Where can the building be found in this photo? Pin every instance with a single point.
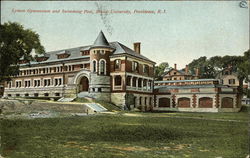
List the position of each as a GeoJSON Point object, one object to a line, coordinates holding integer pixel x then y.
{"type": "Point", "coordinates": [175, 74]}
{"type": "Point", "coordinates": [201, 95]}
{"type": "Point", "coordinates": [228, 77]}
{"type": "Point", "coordinates": [107, 71]}
{"type": "Point", "coordinates": [113, 72]}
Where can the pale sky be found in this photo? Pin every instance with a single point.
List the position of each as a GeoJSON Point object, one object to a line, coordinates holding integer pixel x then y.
{"type": "Point", "coordinates": [188, 29]}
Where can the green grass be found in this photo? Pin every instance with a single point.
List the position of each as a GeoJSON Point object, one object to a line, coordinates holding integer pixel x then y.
{"type": "Point", "coordinates": [127, 135]}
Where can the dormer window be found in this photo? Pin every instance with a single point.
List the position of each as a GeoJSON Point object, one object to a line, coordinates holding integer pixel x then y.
{"type": "Point", "coordinates": [86, 52]}
{"type": "Point", "coordinates": [42, 57]}
{"type": "Point", "coordinates": [63, 54]}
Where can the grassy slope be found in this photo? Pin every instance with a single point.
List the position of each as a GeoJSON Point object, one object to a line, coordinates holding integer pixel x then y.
{"type": "Point", "coordinates": [145, 135]}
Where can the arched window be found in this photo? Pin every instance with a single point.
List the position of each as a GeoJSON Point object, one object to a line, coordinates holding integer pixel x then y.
{"type": "Point", "coordinates": [94, 66]}
{"type": "Point", "coordinates": [102, 67]}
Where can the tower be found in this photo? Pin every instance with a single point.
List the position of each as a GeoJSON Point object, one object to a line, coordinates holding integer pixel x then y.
{"type": "Point", "coordinates": [100, 68]}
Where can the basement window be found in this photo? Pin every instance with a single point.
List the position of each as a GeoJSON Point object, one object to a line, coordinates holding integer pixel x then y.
{"type": "Point", "coordinates": [57, 94]}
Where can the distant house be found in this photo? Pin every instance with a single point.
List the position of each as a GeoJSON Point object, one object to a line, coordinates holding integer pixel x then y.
{"type": "Point", "coordinates": [175, 74]}
{"type": "Point", "coordinates": [228, 77]}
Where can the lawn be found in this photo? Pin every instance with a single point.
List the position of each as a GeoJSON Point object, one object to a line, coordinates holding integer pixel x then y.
{"type": "Point", "coordinates": [167, 135]}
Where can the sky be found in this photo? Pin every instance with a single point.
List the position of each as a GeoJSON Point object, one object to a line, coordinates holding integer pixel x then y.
{"type": "Point", "coordinates": [186, 30]}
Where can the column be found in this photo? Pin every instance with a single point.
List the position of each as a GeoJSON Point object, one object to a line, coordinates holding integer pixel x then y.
{"type": "Point", "coordinates": [137, 79]}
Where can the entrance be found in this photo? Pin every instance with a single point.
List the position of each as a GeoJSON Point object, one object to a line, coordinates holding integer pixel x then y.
{"type": "Point", "coordinates": [84, 84]}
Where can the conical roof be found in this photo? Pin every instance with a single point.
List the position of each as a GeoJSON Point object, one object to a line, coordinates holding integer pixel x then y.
{"type": "Point", "coordinates": [101, 41]}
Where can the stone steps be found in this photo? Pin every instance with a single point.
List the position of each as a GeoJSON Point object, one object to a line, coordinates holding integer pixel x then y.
{"type": "Point", "coordinates": [96, 107]}
{"type": "Point", "coordinates": [65, 99]}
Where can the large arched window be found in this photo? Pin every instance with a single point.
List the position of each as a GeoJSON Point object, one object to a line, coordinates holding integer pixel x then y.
{"type": "Point", "coordinates": [94, 66]}
{"type": "Point", "coordinates": [102, 67]}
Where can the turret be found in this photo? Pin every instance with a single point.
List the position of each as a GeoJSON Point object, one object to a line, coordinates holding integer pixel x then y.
{"type": "Point", "coordinates": [99, 55]}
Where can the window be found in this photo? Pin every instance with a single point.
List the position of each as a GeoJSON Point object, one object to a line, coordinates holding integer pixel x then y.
{"type": "Point", "coordinates": [118, 80]}
{"type": "Point", "coordinates": [18, 84]}
{"type": "Point", "coordinates": [150, 101]}
{"type": "Point", "coordinates": [56, 82]}
{"type": "Point", "coordinates": [26, 95]}
{"type": "Point", "coordinates": [99, 90]}
{"type": "Point", "coordinates": [94, 66]}
{"type": "Point", "coordinates": [102, 67]}
{"type": "Point", "coordinates": [134, 81]}
{"type": "Point", "coordinates": [135, 66]}
{"type": "Point", "coordinates": [46, 94]}
{"type": "Point", "coordinates": [145, 101]}
{"type": "Point", "coordinates": [57, 94]}
{"type": "Point", "coordinates": [140, 100]}
{"type": "Point", "coordinates": [85, 53]}
{"type": "Point", "coordinates": [231, 81]}
{"type": "Point", "coordinates": [117, 64]}
{"type": "Point", "coordinates": [102, 52]}
{"type": "Point", "coordinates": [145, 69]}
{"type": "Point", "coordinates": [44, 82]}
{"type": "Point", "coordinates": [38, 83]}
{"type": "Point", "coordinates": [128, 81]}
{"type": "Point", "coordinates": [139, 82]}
{"type": "Point", "coordinates": [60, 81]}
{"type": "Point", "coordinates": [36, 94]}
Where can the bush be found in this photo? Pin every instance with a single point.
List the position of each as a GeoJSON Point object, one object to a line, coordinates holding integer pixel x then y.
{"type": "Point", "coordinates": [244, 108]}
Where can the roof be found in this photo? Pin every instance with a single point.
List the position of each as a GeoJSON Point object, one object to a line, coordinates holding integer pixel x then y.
{"type": "Point", "coordinates": [197, 80]}
{"type": "Point", "coordinates": [190, 86]}
{"type": "Point", "coordinates": [180, 71]}
{"type": "Point", "coordinates": [122, 49]}
{"type": "Point", "coordinates": [101, 41]}
{"type": "Point", "coordinates": [62, 52]}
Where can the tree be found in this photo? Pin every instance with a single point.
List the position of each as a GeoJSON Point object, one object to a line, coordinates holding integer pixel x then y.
{"type": "Point", "coordinates": [206, 69]}
{"type": "Point", "coordinates": [159, 70]}
{"type": "Point", "coordinates": [16, 42]}
{"type": "Point", "coordinates": [243, 69]}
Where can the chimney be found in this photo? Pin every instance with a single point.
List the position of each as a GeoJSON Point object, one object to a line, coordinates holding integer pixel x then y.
{"type": "Point", "coordinates": [186, 69]}
{"type": "Point", "coordinates": [175, 66]}
{"type": "Point", "coordinates": [197, 72]}
{"type": "Point", "coordinates": [137, 47]}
